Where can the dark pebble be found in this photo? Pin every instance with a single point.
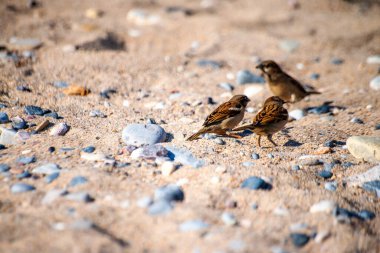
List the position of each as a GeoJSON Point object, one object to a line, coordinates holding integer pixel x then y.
{"type": "Point", "coordinates": [209, 63]}
{"type": "Point", "coordinates": [328, 166]}
{"type": "Point", "coordinates": [377, 127]}
{"type": "Point", "coordinates": [78, 180]}
{"type": "Point", "coordinates": [325, 174]}
{"type": "Point", "coordinates": [23, 88]}
{"type": "Point", "coordinates": [3, 106]}
{"type": "Point", "coordinates": [26, 160]}
{"type": "Point", "coordinates": [347, 164]}
{"type": "Point", "coordinates": [333, 143]}
{"type": "Point", "coordinates": [336, 61]}
{"type": "Point", "coordinates": [2, 147]}
{"type": "Point", "coordinates": [66, 149]}
{"type": "Point", "coordinates": [373, 186]}
{"type": "Point", "coordinates": [151, 121]}
{"type": "Point", "coordinates": [4, 167]}
{"type": "Point", "coordinates": [4, 118]}
{"type": "Point", "coordinates": [19, 123]}
{"type": "Point", "coordinates": [53, 115]}
{"type": "Point", "coordinates": [366, 215]}
{"type": "Point", "coordinates": [255, 183]}
{"type": "Point", "coordinates": [169, 193]}
{"type": "Point", "coordinates": [51, 149]}
{"type": "Point", "coordinates": [51, 177]}
{"type": "Point", "coordinates": [342, 213]}
{"type": "Point", "coordinates": [295, 167]}
{"type": "Point", "coordinates": [299, 240]}
{"type": "Point", "coordinates": [22, 187]}
{"type": "Point", "coordinates": [255, 156]}
{"type": "Point", "coordinates": [88, 149]}
{"type": "Point", "coordinates": [314, 76]}
{"type": "Point", "coordinates": [33, 110]}
{"type": "Point", "coordinates": [106, 93]}
{"type": "Point", "coordinates": [357, 121]}
{"type": "Point", "coordinates": [25, 174]}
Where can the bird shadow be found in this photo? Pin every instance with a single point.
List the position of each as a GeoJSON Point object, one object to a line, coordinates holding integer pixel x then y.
{"type": "Point", "coordinates": [326, 107]}
{"type": "Point", "coordinates": [292, 143]}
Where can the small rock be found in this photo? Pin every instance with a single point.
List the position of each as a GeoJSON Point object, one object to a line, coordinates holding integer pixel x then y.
{"type": "Point", "coordinates": [78, 180]}
{"type": "Point", "coordinates": [52, 195]}
{"type": "Point", "coordinates": [51, 177]}
{"type": "Point", "coordinates": [299, 240]}
{"type": "Point", "coordinates": [253, 90]}
{"type": "Point", "coordinates": [295, 167]}
{"type": "Point", "coordinates": [270, 156]}
{"type": "Point", "coordinates": [325, 206]}
{"type": "Point", "coordinates": [25, 174]}
{"type": "Point", "coordinates": [144, 202]}
{"type": "Point", "coordinates": [34, 110]}
{"type": "Point", "coordinates": [226, 86]}
{"type": "Point", "coordinates": [47, 169]}
{"type": "Point", "coordinates": [95, 157]}
{"type": "Point", "coordinates": [331, 186]}
{"type": "Point", "coordinates": [229, 219]}
{"type": "Point", "coordinates": [88, 149]}
{"type": "Point", "coordinates": [373, 59]}
{"type": "Point", "coordinates": [184, 156]}
{"type": "Point", "coordinates": [297, 114]}
{"type": "Point", "coordinates": [140, 134]}
{"type": "Point", "coordinates": [82, 224]}
{"type": "Point", "coordinates": [141, 17]}
{"type": "Point", "coordinates": [333, 143]}
{"type": "Point", "coordinates": [193, 225]}
{"type": "Point", "coordinates": [23, 88]}
{"type": "Point", "coordinates": [314, 76]}
{"type": "Point", "coordinates": [51, 149]}
{"type": "Point", "coordinates": [337, 61]}
{"type": "Point", "coordinates": [80, 197]}
{"type": "Point", "coordinates": [4, 118]}
{"type": "Point", "coordinates": [97, 113]}
{"type": "Point", "coordinates": [209, 63]}
{"type": "Point", "coordinates": [93, 13]}
{"type": "Point", "coordinates": [373, 186]}
{"type": "Point", "coordinates": [245, 76]}
{"type": "Point", "coordinates": [248, 164]}
{"type": "Point", "coordinates": [53, 115]}
{"type": "Point", "coordinates": [23, 43]}
{"type": "Point", "coordinates": [255, 183]}
{"type": "Point", "coordinates": [60, 129]}
{"type": "Point", "coordinates": [2, 147]}
{"type": "Point", "coordinates": [366, 215]}
{"type": "Point", "coordinates": [289, 46]}
{"type": "Point", "coordinates": [357, 121]}
{"type": "Point", "coordinates": [325, 174]}
{"type": "Point", "coordinates": [169, 193]}
{"type": "Point", "coordinates": [4, 167]}
{"type": "Point", "coordinates": [107, 93]}
{"type": "Point", "coordinates": [23, 160]}
{"type": "Point", "coordinates": [167, 168]}
{"type": "Point", "coordinates": [375, 83]}
{"type": "Point", "coordinates": [219, 141]}
{"type": "Point", "coordinates": [22, 187]}
{"type": "Point", "coordinates": [160, 207]}
{"type": "Point", "coordinates": [347, 164]}
{"type": "Point", "coordinates": [364, 147]}
{"type": "Point", "coordinates": [370, 175]}
{"type": "Point", "coordinates": [255, 156]}
{"type": "Point", "coordinates": [60, 84]}
{"type": "Point", "coordinates": [150, 152]}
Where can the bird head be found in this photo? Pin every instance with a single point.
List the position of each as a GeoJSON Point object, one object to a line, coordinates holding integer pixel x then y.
{"type": "Point", "coordinates": [269, 67]}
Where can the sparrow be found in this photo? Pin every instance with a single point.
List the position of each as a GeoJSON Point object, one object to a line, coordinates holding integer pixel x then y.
{"type": "Point", "coordinates": [271, 119]}
{"type": "Point", "coordinates": [283, 85]}
{"type": "Point", "coordinates": [224, 118]}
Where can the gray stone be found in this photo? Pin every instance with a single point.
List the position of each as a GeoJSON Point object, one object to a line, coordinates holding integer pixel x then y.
{"type": "Point", "coordinates": [373, 59]}
{"type": "Point", "coordinates": [47, 169]}
{"type": "Point", "coordinates": [7, 136]}
{"type": "Point", "coordinates": [299, 240]}
{"type": "Point", "coordinates": [80, 197]}
{"type": "Point", "coordinates": [82, 224]}
{"type": "Point", "coordinates": [140, 134]}
{"type": "Point", "coordinates": [229, 219]}
{"type": "Point", "coordinates": [169, 193]}
{"type": "Point", "coordinates": [364, 147]}
{"type": "Point", "coordinates": [52, 195]}
{"type": "Point", "coordinates": [375, 83]}
{"type": "Point", "coordinates": [331, 186]}
{"type": "Point", "coordinates": [4, 118]}
{"type": "Point", "coordinates": [184, 156]}
{"type": "Point", "coordinates": [193, 225]}
{"type": "Point", "coordinates": [23, 160]}
{"type": "Point", "coordinates": [144, 202]}
{"type": "Point", "coordinates": [22, 187]}
{"type": "Point", "coordinates": [23, 43]}
{"type": "Point", "coordinates": [19, 123]}
{"type": "Point", "coordinates": [297, 114]}
{"type": "Point", "coordinates": [97, 113]}
{"type": "Point", "coordinates": [289, 45]}
{"type": "Point", "coordinates": [255, 183]}
{"type": "Point", "coordinates": [60, 84]}
{"type": "Point", "coordinates": [4, 167]}
{"type": "Point", "coordinates": [50, 178]}
{"type": "Point", "coordinates": [150, 152]}
{"type": "Point", "coordinates": [226, 86]}
{"type": "Point", "coordinates": [372, 174]}
{"type": "Point", "coordinates": [160, 207]}
{"type": "Point", "coordinates": [34, 110]}
{"type": "Point", "coordinates": [245, 76]}
{"type": "Point", "coordinates": [248, 164]}
{"type": "Point", "coordinates": [78, 180]}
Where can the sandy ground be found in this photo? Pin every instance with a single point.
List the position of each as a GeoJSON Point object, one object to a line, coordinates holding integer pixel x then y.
{"type": "Point", "coordinates": [157, 63]}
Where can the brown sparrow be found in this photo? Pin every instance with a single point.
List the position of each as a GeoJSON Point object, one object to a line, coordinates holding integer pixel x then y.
{"type": "Point", "coordinates": [282, 84]}
{"type": "Point", "coordinates": [271, 119]}
{"type": "Point", "coordinates": [225, 117]}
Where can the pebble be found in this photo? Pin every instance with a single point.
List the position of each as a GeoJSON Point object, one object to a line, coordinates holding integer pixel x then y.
{"type": "Point", "coordinates": [324, 206]}
{"type": "Point", "coordinates": [51, 177]}
{"type": "Point", "coordinates": [60, 84]}
{"type": "Point", "coordinates": [95, 157]}
{"type": "Point", "coordinates": [255, 156]}
{"type": "Point", "coordinates": [270, 156]}
{"type": "Point", "coordinates": [245, 76]}
{"type": "Point", "coordinates": [60, 129]}
{"type": "Point", "coordinates": [336, 61]}
{"type": "Point", "coordinates": [373, 59]}
{"type": "Point", "coordinates": [78, 180]}
{"type": "Point", "coordinates": [167, 168]}
{"type": "Point", "coordinates": [375, 83]}
{"type": "Point", "coordinates": [23, 88]}
{"type": "Point", "coordinates": [140, 134]}
{"type": "Point", "coordinates": [160, 207]}
{"type": "Point", "coordinates": [344, 215]}
{"type": "Point", "coordinates": [347, 164]}
{"type": "Point", "coordinates": [82, 224]}
{"type": "Point", "coordinates": [144, 202]}
{"type": "Point", "coordinates": [141, 17]}
{"type": "Point", "coordinates": [372, 186]}
{"type": "Point", "coordinates": [226, 86]}
{"type": "Point", "coordinates": [299, 240]}
{"type": "Point", "coordinates": [205, 63]}
{"type": "Point", "coordinates": [333, 143]}
{"type": "Point", "coordinates": [2, 147]}
{"type": "Point", "coordinates": [22, 187]}
{"type": "Point", "coordinates": [322, 109]}
{"type": "Point", "coordinates": [184, 156]}
{"type": "Point", "coordinates": [366, 215]}
{"type": "Point", "coordinates": [255, 183]}
{"type": "Point", "coordinates": [248, 164]}
{"type": "Point", "coordinates": [25, 160]}
{"type": "Point", "coordinates": [25, 174]}
{"type": "Point", "coordinates": [107, 93]}
{"type": "Point", "coordinates": [34, 110]}
{"type": "Point", "coordinates": [297, 114]}
{"type": "Point", "coordinates": [371, 175]}
{"type": "Point", "coordinates": [52, 195]}
{"type": "Point", "coordinates": [289, 46]}
{"type": "Point", "coordinates": [331, 186]}
{"type": "Point", "coordinates": [356, 120]}
{"type": "Point", "coordinates": [16, 43]}
{"type": "Point", "coordinates": [53, 115]}
{"type": "Point", "coordinates": [93, 13]}
{"type": "Point", "coordinates": [51, 149]}
{"type": "Point", "coordinates": [364, 147]}
{"type": "Point", "coordinates": [169, 193]}
{"type": "Point", "coordinates": [88, 149]}
{"type": "Point", "coordinates": [4, 167]}
{"type": "Point", "coordinates": [229, 219]}
{"type": "Point", "coordinates": [253, 90]}
{"type": "Point", "coordinates": [295, 167]}
{"type": "Point", "coordinates": [314, 76]}
{"type": "Point", "coordinates": [281, 211]}
{"type": "Point", "coordinates": [325, 174]}
{"type": "Point", "coordinates": [80, 197]}
{"type": "Point", "coordinates": [97, 113]}
{"type": "Point", "coordinates": [150, 152]}
{"type": "Point", "coordinates": [4, 118]}
{"type": "Point", "coordinates": [47, 169]}
{"type": "Point", "coordinates": [219, 141]}
{"type": "Point", "coordinates": [321, 236]}
{"type": "Point", "coordinates": [193, 225]}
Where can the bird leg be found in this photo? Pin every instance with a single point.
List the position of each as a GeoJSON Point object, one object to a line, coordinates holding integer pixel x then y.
{"type": "Point", "coordinates": [269, 137]}
{"type": "Point", "coordinates": [224, 133]}
{"type": "Point", "coordinates": [234, 135]}
{"type": "Point", "coordinates": [258, 141]}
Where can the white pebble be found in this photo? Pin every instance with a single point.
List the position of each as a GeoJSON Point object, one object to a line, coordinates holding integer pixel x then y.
{"type": "Point", "coordinates": [167, 168]}
{"type": "Point", "coordinates": [375, 83]}
{"type": "Point", "coordinates": [326, 206]}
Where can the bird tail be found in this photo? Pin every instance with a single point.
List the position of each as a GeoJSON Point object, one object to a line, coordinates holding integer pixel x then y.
{"type": "Point", "coordinates": [244, 127]}
{"type": "Point", "coordinates": [196, 135]}
{"type": "Point", "coordinates": [313, 92]}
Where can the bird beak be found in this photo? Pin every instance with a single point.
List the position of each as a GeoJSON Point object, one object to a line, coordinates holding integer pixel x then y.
{"type": "Point", "coordinates": [260, 66]}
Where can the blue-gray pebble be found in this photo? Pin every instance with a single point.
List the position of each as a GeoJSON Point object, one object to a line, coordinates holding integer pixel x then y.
{"type": "Point", "coordinates": [22, 187]}
{"type": "Point", "coordinates": [78, 180]}
{"type": "Point", "coordinates": [4, 118]}
{"type": "Point", "coordinates": [33, 110]}
{"type": "Point", "coordinates": [255, 183]}
{"type": "Point", "coordinates": [50, 178]}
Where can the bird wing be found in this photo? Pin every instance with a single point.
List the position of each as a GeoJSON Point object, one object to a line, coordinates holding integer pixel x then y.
{"type": "Point", "coordinates": [270, 114]}
{"type": "Point", "coordinates": [222, 112]}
